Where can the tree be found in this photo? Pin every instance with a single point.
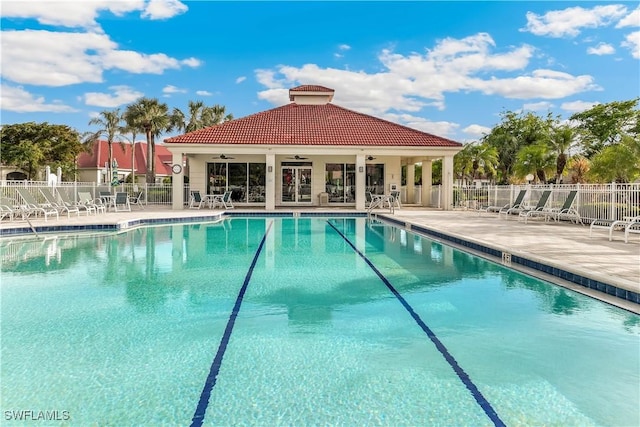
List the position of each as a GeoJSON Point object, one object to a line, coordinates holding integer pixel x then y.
{"type": "Point", "coordinates": [109, 127]}
{"type": "Point", "coordinates": [534, 159]}
{"type": "Point", "coordinates": [32, 146]}
{"type": "Point", "coordinates": [133, 127]}
{"type": "Point", "coordinates": [484, 158]}
{"type": "Point", "coordinates": [200, 116]}
{"type": "Point", "coordinates": [512, 134]}
{"type": "Point", "coordinates": [579, 167]}
{"type": "Point", "coordinates": [618, 162]}
{"type": "Point", "coordinates": [604, 124]}
{"type": "Point", "coordinates": [462, 163]}
{"type": "Point", "coordinates": [155, 119]}
{"type": "Point", "coordinates": [560, 141]}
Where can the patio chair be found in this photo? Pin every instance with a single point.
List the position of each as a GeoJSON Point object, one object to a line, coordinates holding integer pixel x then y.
{"type": "Point", "coordinates": [516, 204]}
{"type": "Point", "coordinates": [196, 201]}
{"type": "Point", "coordinates": [223, 200]}
{"type": "Point", "coordinates": [67, 200]}
{"type": "Point", "coordinates": [60, 207]}
{"type": "Point", "coordinates": [627, 224]}
{"type": "Point", "coordinates": [526, 211]}
{"type": "Point", "coordinates": [394, 198]}
{"type": "Point", "coordinates": [32, 204]}
{"type": "Point", "coordinates": [96, 205]}
{"type": "Point", "coordinates": [121, 202]}
{"type": "Point", "coordinates": [566, 211]}
{"type": "Point", "coordinates": [137, 200]}
{"type": "Point", "coordinates": [8, 209]}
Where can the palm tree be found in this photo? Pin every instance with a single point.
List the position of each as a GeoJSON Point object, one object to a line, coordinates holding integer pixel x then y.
{"type": "Point", "coordinates": [534, 159]}
{"type": "Point", "coordinates": [132, 127]}
{"type": "Point", "coordinates": [109, 123]}
{"type": "Point", "coordinates": [484, 157]}
{"type": "Point", "coordinates": [155, 119]}
{"type": "Point", "coordinates": [200, 116]}
{"type": "Point", "coordinates": [462, 163]}
{"type": "Point", "coordinates": [561, 140]}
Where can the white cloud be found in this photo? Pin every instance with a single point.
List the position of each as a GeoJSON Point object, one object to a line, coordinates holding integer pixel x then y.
{"type": "Point", "coordinates": [631, 20]}
{"type": "Point", "coordinates": [122, 95]}
{"type": "Point", "coordinates": [18, 100]}
{"type": "Point", "coordinates": [410, 83]}
{"type": "Point", "coordinates": [241, 79]}
{"type": "Point", "coordinates": [169, 89]}
{"type": "Point", "coordinates": [344, 47]}
{"type": "Point", "coordinates": [163, 9]}
{"type": "Point", "coordinates": [191, 62]}
{"type": "Point", "coordinates": [441, 128]}
{"type": "Point", "coordinates": [538, 106]}
{"type": "Point", "coordinates": [203, 93]}
{"type": "Point", "coordinates": [61, 58]}
{"type": "Point", "coordinates": [632, 41]}
{"type": "Point", "coordinates": [569, 22]}
{"type": "Point", "coordinates": [577, 106]}
{"type": "Point", "coordinates": [76, 14]}
{"type": "Point", "coordinates": [601, 49]}
{"type": "Point", "coordinates": [476, 131]}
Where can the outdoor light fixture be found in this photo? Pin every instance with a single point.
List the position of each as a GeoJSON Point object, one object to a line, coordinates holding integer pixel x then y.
{"type": "Point", "coordinates": [270, 169]}
{"type": "Point", "coordinates": [360, 169]}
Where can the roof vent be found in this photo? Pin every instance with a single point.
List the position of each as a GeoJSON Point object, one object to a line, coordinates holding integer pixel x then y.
{"type": "Point", "coordinates": [311, 95]}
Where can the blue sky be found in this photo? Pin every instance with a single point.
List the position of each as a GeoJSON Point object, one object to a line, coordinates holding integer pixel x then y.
{"type": "Point", "coordinates": [448, 68]}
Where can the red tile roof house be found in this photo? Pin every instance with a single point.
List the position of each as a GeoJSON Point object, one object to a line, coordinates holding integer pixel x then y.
{"type": "Point", "coordinates": [93, 167]}
{"type": "Point", "coordinates": [309, 152]}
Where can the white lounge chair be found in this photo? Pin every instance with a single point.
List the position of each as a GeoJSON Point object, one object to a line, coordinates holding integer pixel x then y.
{"type": "Point", "coordinates": [55, 203]}
{"type": "Point", "coordinates": [32, 204]}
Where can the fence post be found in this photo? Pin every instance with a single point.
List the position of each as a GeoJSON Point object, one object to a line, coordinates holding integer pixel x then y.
{"type": "Point", "coordinates": [612, 201]}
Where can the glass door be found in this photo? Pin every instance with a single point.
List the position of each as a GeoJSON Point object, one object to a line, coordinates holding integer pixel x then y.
{"type": "Point", "coordinates": [296, 184]}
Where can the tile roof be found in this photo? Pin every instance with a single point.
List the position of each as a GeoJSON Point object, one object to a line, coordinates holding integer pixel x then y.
{"type": "Point", "coordinates": [311, 88]}
{"type": "Point", "coordinates": [313, 125]}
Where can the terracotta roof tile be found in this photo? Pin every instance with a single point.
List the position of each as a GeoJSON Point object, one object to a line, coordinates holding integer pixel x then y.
{"type": "Point", "coordinates": [311, 88]}
{"type": "Point", "coordinates": [122, 154]}
{"type": "Point", "coordinates": [320, 125]}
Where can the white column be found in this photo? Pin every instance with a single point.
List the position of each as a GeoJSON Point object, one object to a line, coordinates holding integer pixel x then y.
{"type": "Point", "coordinates": [447, 183]}
{"type": "Point", "coordinates": [361, 181]}
{"type": "Point", "coordinates": [270, 183]}
{"type": "Point", "coordinates": [411, 182]}
{"type": "Point", "coordinates": [427, 182]}
{"type": "Point", "coordinates": [177, 184]}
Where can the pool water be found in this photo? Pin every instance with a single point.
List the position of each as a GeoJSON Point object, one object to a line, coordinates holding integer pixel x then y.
{"type": "Point", "coordinates": [301, 321]}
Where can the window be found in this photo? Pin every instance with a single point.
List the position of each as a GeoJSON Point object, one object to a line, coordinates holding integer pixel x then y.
{"type": "Point", "coordinates": [340, 182]}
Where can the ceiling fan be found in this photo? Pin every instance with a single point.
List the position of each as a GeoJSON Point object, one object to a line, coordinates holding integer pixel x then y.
{"type": "Point", "coordinates": [223, 157]}
{"type": "Point", "coordinates": [370, 158]}
{"type": "Point", "coordinates": [296, 157]}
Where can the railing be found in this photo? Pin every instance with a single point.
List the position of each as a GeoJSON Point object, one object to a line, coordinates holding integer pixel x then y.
{"type": "Point", "coordinates": [594, 201]}
{"type": "Point", "coordinates": [152, 194]}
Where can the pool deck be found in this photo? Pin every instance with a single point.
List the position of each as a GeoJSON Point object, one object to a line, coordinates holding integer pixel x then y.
{"type": "Point", "coordinates": [566, 247]}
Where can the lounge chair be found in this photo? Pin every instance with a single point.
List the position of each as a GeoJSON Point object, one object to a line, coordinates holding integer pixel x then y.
{"type": "Point", "coordinates": [32, 204]}
{"type": "Point", "coordinates": [8, 209]}
{"type": "Point", "coordinates": [59, 206]}
{"type": "Point", "coordinates": [67, 200]}
{"type": "Point", "coordinates": [527, 213]}
{"type": "Point", "coordinates": [196, 201]}
{"type": "Point", "coordinates": [517, 203]}
{"type": "Point", "coordinates": [566, 212]}
{"type": "Point", "coordinates": [628, 225]}
{"type": "Point", "coordinates": [121, 202]}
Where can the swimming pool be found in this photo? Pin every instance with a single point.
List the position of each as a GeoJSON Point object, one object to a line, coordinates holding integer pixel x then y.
{"type": "Point", "coordinates": [302, 321]}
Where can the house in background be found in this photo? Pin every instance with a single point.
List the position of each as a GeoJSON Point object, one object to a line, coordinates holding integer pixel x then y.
{"type": "Point", "coordinates": [310, 152]}
{"type": "Point", "coordinates": [92, 167]}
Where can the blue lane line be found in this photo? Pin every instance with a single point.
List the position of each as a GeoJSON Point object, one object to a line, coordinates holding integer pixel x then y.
{"type": "Point", "coordinates": [477, 395]}
{"type": "Point", "coordinates": [198, 416]}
